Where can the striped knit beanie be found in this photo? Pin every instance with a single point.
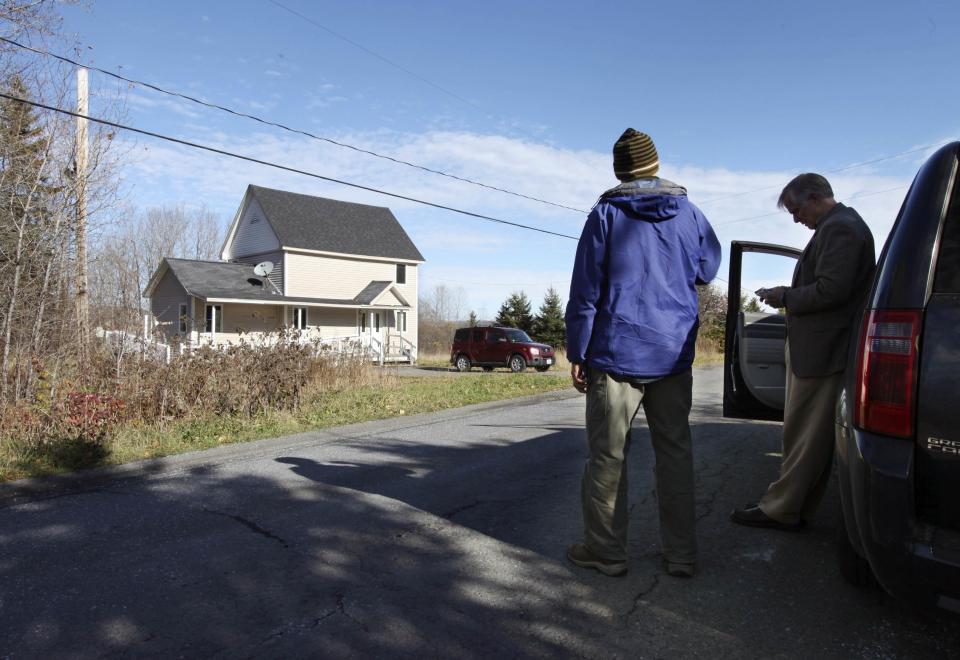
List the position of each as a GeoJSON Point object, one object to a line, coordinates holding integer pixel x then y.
{"type": "Point", "coordinates": [634, 156]}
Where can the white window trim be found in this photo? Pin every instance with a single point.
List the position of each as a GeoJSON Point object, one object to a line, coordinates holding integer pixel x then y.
{"type": "Point", "coordinates": [182, 325]}
{"type": "Point", "coordinates": [214, 317]}
{"type": "Point", "coordinates": [300, 318]}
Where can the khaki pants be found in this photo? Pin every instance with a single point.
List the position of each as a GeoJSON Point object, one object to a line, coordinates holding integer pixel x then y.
{"type": "Point", "coordinates": [611, 407]}
{"type": "Point", "coordinates": [808, 439]}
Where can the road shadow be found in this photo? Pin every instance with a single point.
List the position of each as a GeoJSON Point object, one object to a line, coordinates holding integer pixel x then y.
{"type": "Point", "coordinates": [389, 548]}
{"type": "Point", "coordinates": [250, 566]}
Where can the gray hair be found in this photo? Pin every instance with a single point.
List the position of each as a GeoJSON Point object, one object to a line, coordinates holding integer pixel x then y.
{"type": "Point", "coordinates": [803, 187]}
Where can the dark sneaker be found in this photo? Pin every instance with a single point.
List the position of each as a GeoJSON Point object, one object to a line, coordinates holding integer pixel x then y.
{"type": "Point", "coordinates": [679, 569]}
{"type": "Point", "coordinates": [581, 556]}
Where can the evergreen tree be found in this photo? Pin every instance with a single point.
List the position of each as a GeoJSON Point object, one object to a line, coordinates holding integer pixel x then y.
{"type": "Point", "coordinates": [515, 312]}
{"type": "Point", "coordinates": [549, 326]}
{"type": "Point", "coordinates": [473, 319]}
{"type": "Point", "coordinates": [750, 304]}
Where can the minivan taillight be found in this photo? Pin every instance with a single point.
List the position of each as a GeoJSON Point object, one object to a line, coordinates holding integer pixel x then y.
{"type": "Point", "coordinates": [887, 371]}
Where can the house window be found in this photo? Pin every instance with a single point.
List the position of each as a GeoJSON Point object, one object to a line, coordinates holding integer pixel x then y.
{"type": "Point", "coordinates": [363, 321]}
{"type": "Point", "coordinates": [402, 321]}
{"type": "Point", "coordinates": [401, 273]}
{"type": "Point", "coordinates": [376, 321]}
{"type": "Point", "coordinates": [183, 317]}
{"type": "Point", "coordinates": [214, 318]}
{"type": "Point", "coordinates": [300, 318]}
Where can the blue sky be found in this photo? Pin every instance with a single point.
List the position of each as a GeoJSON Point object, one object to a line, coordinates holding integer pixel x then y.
{"type": "Point", "coordinates": [530, 96]}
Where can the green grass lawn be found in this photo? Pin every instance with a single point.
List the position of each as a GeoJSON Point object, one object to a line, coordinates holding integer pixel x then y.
{"type": "Point", "coordinates": [397, 397]}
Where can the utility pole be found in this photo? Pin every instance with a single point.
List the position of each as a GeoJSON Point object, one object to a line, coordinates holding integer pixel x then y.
{"type": "Point", "coordinates": [83, 313]}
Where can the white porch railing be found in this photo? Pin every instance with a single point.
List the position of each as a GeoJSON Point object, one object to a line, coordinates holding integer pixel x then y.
{"type": "Point", "coordinates": [128, 342]}
{"type": "Point", "coordinates": [392, 347]}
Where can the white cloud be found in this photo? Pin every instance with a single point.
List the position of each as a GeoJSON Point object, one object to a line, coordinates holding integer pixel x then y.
{"type": "Point", "coordinates": [180, 107]}
{"type": "Point", "coordinates": [491, 260]}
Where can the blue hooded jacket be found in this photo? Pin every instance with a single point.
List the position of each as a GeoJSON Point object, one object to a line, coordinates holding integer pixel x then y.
{"type": "Point", "coordinates": [632, 309]}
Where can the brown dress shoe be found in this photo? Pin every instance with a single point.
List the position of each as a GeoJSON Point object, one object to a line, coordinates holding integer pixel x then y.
{"type": "Point", "coordinates": [753, 516]}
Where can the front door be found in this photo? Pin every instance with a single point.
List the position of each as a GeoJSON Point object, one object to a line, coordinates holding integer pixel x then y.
{"type": "Point", "coordinates": [754, 371]}
{"type": "Point", "coordinates": [371, 324]}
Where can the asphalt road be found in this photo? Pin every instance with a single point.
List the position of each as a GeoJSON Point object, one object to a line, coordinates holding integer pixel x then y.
{"type": "Point", "coordinates": [439, 535]}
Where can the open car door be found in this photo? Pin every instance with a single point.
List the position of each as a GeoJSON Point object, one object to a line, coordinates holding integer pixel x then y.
{"type": "Point", "coordinates": [754, 371]}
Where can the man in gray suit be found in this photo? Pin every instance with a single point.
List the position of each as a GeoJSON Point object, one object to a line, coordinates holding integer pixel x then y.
{"type": "Point", "coordinates": [830, 285]}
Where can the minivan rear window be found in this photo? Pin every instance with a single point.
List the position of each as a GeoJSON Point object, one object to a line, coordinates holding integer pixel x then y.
{"type": "Point", "coordinates": [947, 276]}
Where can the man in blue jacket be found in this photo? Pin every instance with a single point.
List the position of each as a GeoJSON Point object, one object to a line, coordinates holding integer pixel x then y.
{"type": "Point", "coordinates": [631, 328]}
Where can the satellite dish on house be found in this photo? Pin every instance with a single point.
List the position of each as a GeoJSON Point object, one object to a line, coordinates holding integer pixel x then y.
{"type": "Point", "coordinates": [263, 268]}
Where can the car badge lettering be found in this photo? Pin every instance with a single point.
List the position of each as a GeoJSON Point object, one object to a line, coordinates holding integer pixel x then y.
{"type": "Point", "coordinates": [943, 446]}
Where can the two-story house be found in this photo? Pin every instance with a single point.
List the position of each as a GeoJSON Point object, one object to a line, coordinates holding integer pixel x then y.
{"type": "Point", "coordinates": [334, 270]}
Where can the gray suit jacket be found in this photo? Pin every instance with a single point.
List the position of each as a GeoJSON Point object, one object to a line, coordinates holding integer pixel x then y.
{"type": "Point", "coordinates": [830, 286]}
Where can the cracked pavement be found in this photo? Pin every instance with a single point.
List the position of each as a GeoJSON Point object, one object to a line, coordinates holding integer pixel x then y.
{"type": "Point", "coordinates": [439, 535]}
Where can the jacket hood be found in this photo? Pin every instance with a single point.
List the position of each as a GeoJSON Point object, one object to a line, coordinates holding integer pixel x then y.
{"type": "Point", "coordinates": [649, 199]}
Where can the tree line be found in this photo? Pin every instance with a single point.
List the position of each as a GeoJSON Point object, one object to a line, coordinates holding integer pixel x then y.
{"type": "Point", "coordinates": [46, 295]}
{"type": "Point", "coordinates": [442, 311]}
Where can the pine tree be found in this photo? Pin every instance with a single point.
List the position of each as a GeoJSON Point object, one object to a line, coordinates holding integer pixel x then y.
{"type": "Point", "coordinates": [473, 319]}
{"type": "Point", "coordinates": [549, 326]}
{"type": "Point", "coordinates": [515, 312]}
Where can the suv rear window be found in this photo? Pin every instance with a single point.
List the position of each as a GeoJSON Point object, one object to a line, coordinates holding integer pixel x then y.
{"type": "Point", "coordinates": [947, 277]}
{"type": "Point", "coordinates": [478, 336]}
{"type": "Point", "coordinates": [461, 335]}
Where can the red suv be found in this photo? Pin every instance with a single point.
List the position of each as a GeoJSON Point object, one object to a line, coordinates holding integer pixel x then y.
{"type": "Point", "coordinates": [498, 347]}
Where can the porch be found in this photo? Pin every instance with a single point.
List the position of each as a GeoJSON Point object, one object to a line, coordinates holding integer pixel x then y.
{"type": "Point", "coordinates": [382, 333]}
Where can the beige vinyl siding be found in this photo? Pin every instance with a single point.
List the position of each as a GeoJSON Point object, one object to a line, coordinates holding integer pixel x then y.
{"type": "Point", "coordinates": [240, 320]}
{"type": "Point", "coordinates": [408, 290]}
{"type": "Point", "coordinates": [165, 303]}
{"type": "Point", "coordinates": [341, 277]}
{"type": "Point", "coordinates": [327, 322]}
{"type": "Point", "coordinates": [253, 234]}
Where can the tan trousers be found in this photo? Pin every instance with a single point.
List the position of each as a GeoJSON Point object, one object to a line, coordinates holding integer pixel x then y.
{"type": "Point", "coordinates": [808, 439]}
{"type": "Point", "coordinates": [611, 407]}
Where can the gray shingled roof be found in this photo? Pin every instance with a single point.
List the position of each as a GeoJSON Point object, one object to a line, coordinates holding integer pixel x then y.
{"type": "Point", "coordinates": [329, 225]}
{"type": "Point", "coordinates": [221, 279]}
{"type": "Point", "coordinates": [371, 291]}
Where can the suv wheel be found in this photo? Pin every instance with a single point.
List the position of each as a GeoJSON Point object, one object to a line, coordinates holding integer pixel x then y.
{"type": "Point", "coordinates": [517, 364]}
{"type": "Point", "coordinates": [853, 567]}
{"type": "Point", "coordinates": [462, 363]}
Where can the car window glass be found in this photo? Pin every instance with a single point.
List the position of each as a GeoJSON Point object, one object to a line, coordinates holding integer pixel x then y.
{"type": "Point", "coordinates": [495, 335]}
{"type": "Point", "coordinates": [518, 336]}
{"type": "Point", "coordinates": [478, 335]}
{"type": "Point", "coordinates": [947, 276]}
{"type": "Point", "coordinates": [461, 335]}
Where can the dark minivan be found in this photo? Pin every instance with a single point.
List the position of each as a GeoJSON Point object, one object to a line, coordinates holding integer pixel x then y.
{"type": "Point", "coordinates": [491, 347]}
{"type": "Point", "coordinates": [898, 414]}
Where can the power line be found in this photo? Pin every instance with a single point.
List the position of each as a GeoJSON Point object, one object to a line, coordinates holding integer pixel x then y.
{"type": "Point", "coordinates": [380, 57]}
{"type": "Point", "coordinates": [835, 171]}
{"type": "Point", "coordinates": [402, 68]}
{"type": "Point", "coordinates": [297, 131]}
{"type": "Point", "coordinates": [286, 168]}
{"type": "Point", "coordinates": [345, 145]}
{"type": "Point", "coordinates": [770, 215]}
